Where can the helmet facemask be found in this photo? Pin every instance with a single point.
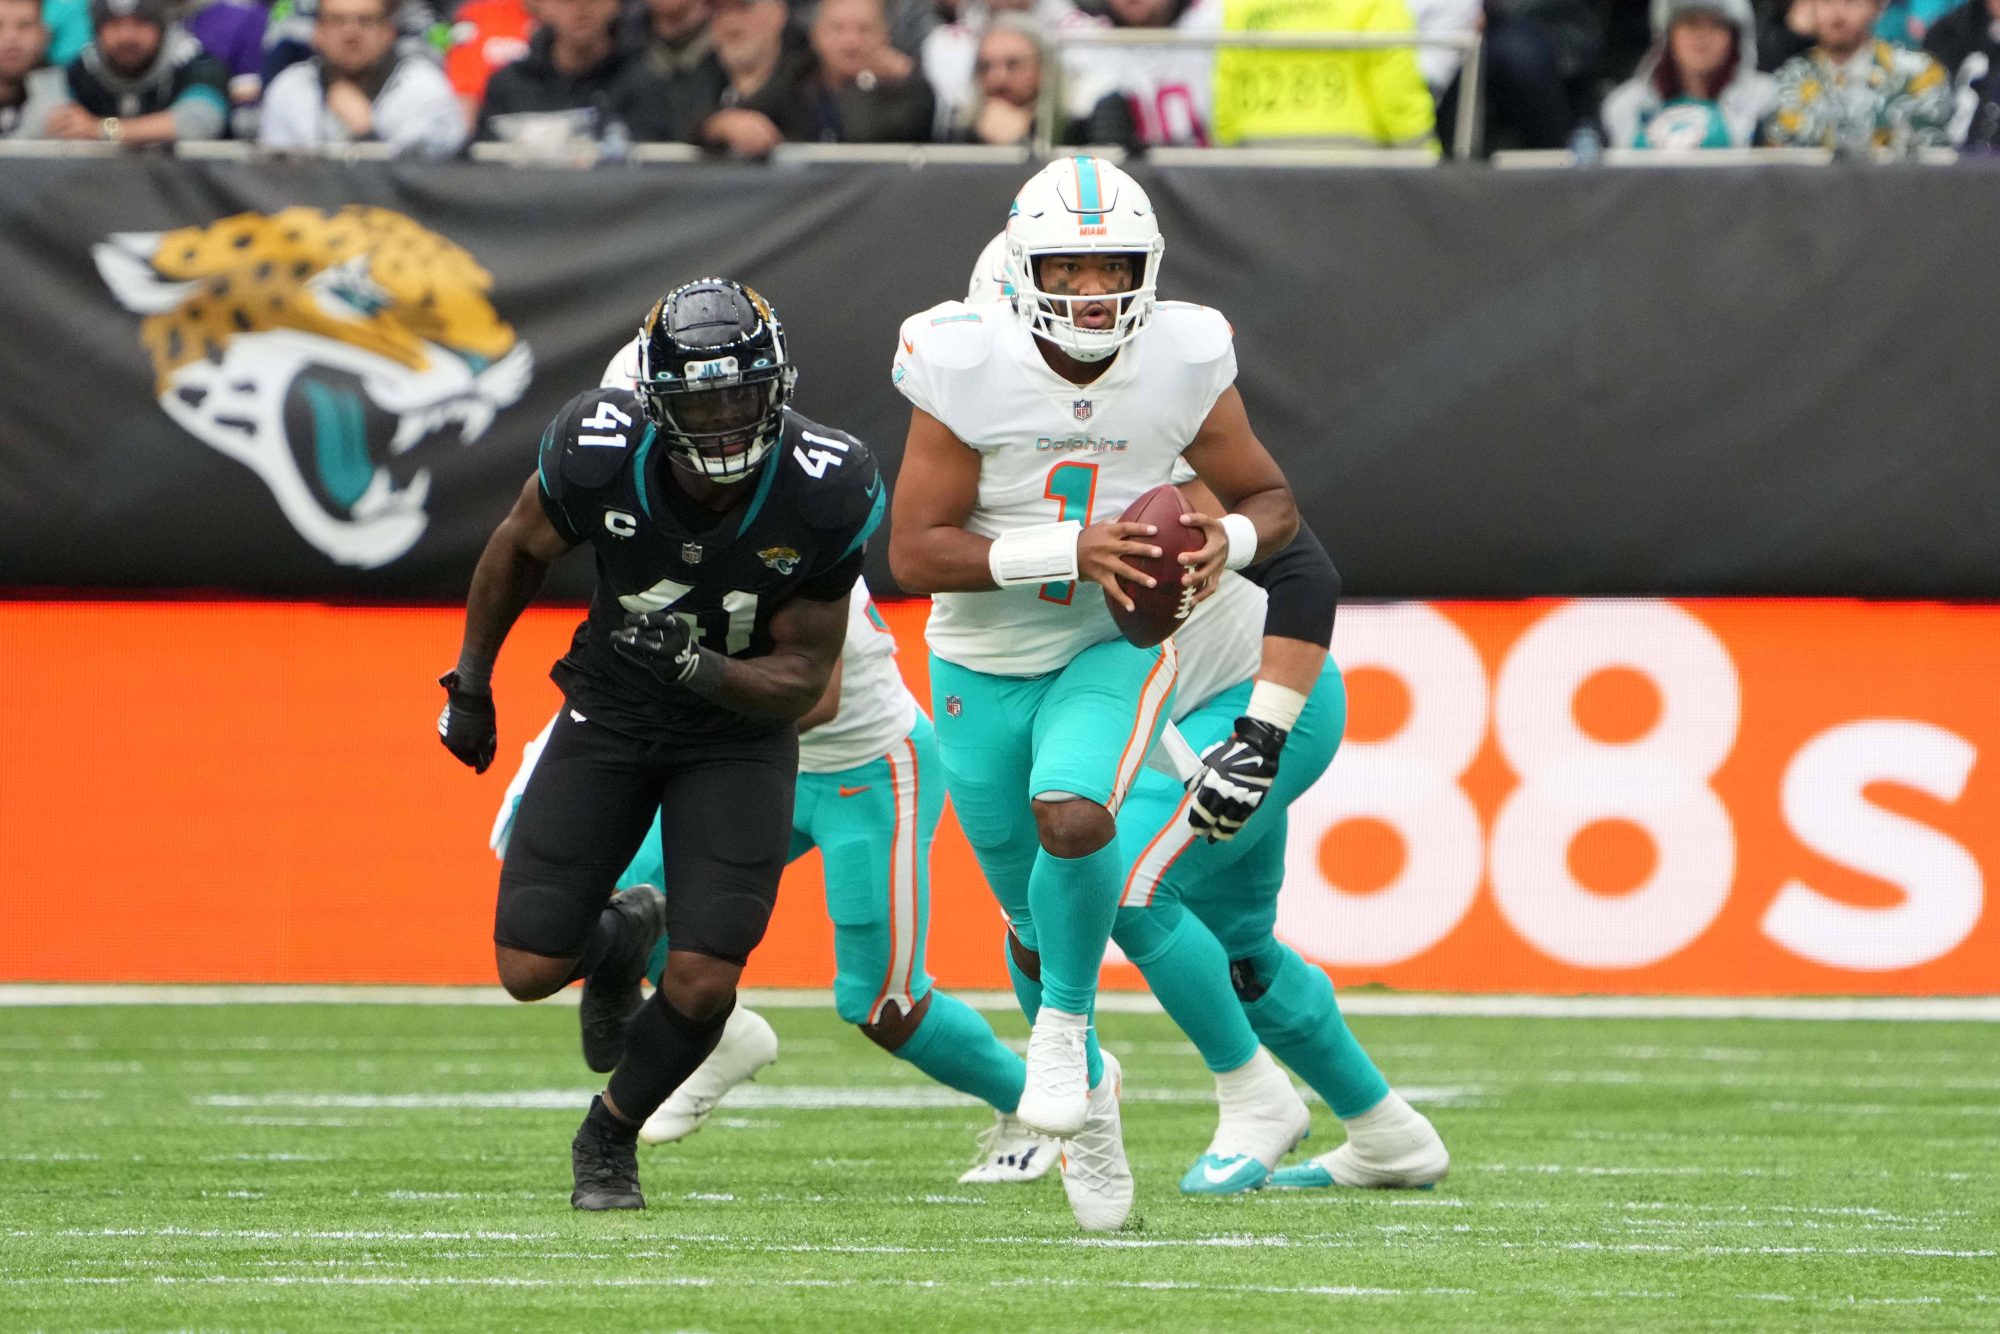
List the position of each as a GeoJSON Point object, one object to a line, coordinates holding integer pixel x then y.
{"type": "Point", "coordinates": [720, 431]}
{"type": "Point", "coordinates": [1050, 316]}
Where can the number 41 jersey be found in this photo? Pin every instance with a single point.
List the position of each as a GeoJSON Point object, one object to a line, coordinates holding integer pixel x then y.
{"type": "Point", "coordinates": [1051, 450]}
{"type": "Point", "coordinates": [605, 480]}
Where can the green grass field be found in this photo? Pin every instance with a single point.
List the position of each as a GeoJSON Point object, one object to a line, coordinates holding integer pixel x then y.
{"type": "Point", "coordinates": [378, 1167]}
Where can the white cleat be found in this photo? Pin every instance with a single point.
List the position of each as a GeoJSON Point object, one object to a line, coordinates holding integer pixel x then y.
{"type": "Point", "coordinates": [1096, 1176]}
{"type": "Point", "coordinates": [748, 1045]}
{"type": "Point", "coordinates": [1010, 1152]}
{"type": "Point", "coordinates": [1263, 1119]}
{"type": "Point", "coordinates": [1391, 1146]}
{"type": "Point", "coordinates": [1058, 1087]}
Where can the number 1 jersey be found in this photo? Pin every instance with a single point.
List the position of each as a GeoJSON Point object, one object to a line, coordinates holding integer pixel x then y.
{"type": "Point", "coordinates": [604, 481]}
{"type": "Point", "coordinates": [1051, 450]}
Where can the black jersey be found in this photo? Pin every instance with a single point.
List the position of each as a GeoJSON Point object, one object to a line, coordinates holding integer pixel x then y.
{"type": "Point", "coordinates": [604, 481]}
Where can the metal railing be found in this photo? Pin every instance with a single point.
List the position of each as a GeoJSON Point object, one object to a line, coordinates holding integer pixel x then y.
{"type": "Point", "coordinates": [1049, 109]}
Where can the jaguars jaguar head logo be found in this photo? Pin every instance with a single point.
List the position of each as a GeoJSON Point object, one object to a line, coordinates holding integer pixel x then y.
{"type": "Point", "coordinates": [331, 352]}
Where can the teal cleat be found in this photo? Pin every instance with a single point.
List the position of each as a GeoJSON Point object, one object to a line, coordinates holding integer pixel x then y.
{"type": "Point", "coordinates": [1234, 1175]}
{"type": "Point", "coordinates": [1310, 1175]}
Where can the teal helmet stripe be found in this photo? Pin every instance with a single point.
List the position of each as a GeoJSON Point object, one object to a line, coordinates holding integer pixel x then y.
{"type": "Point", "coordinates": [1089, 192]}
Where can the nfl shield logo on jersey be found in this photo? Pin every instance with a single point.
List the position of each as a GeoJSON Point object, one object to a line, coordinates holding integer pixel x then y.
{"type": "Point", "coordinates": [691, 553]}
{"type": "Point", "coordinates": [952, 706]}
{"type": "Point", "coordinates": [1082, 409]}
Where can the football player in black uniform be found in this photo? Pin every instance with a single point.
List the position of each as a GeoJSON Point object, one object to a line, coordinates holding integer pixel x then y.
{"type": "Point", "coordinates": [728, 530]}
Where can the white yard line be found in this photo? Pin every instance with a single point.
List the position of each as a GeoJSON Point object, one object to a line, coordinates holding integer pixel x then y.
{"type": "Point", "coordinates": [760, 1097]}
{"type": "Point", "coordinates": [1961, 1009]}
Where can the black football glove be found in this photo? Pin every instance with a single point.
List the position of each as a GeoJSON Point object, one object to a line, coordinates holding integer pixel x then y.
{"type": "Point", "coordinates": [468, 726]}
{"type": "Point", "coordinates": [1235, 776]}
{"type": "Point", "coordinates": [660, 642]}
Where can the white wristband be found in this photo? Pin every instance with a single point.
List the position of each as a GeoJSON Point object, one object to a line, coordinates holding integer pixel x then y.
{"type": "Point", "coordinates": [1034, 555]}
{"type": "Point", "coordinates": [1242, 535]}
{"type": "Point", "coordinates": [1277, 705]}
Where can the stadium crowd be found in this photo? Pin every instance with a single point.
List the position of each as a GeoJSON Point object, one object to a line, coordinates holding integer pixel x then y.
{"type": "Point", "coordinates": [739, 77]}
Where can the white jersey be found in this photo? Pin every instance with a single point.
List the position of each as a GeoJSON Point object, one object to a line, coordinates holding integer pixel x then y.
{"type": "Point", "coordinates": [1051, 450]}
{"type": "Point", "coordinates": [1220, 645]}
{"type": "Point", "coordinates": [876, 708]}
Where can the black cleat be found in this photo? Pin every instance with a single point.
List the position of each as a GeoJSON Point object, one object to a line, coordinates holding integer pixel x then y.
{"type": "Point", "coordinates": [611, 994]}
{"type": "Point", "coordinates": [606, 1164]}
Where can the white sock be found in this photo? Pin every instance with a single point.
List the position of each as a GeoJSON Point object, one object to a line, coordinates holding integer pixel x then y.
{"type": "Point", "coordinates": [1387, 1114]}
{"type": "Point", "coordinates": [1246, 1079]}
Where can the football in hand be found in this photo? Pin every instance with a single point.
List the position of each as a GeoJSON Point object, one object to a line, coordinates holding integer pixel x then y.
{"type": "Point", "coordinates": [1157, 612]}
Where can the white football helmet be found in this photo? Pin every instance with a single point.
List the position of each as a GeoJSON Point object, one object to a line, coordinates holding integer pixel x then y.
{"type": "Point", "coordinates": [1078, 205]}
{"type": "Point", "coordinates": [992, 275]}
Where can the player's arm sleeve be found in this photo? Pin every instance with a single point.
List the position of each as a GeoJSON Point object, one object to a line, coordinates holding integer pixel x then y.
{"type": "Point", "coordinates": [1302, 588]}
{"type": "Point", "coordinates": [851, 514]}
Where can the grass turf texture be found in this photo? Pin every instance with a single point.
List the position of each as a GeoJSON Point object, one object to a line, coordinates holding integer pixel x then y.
{"type": "Point", "coordinates": [362, 1167]}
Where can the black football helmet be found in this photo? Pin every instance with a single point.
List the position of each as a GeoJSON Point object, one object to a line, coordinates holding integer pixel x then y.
{"type": "Point", "coordinates": [714, 377]}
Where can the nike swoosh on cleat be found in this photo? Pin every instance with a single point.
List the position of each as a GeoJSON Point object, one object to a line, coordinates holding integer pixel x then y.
{"type": "Point", "coordinates": [1227, 1170]}
{"type": "Point", "coordinates": [579, 717]}
{"type": "Point", "coordinates": [855, 791]}
{"type": "Point", "coordinates": [909, 347]}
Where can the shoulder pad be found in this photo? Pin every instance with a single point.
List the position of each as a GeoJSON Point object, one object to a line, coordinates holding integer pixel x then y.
{"type": "Point", "coordinates": [952, 335]}
{"type": "Point", "coordinates": [837, 485]}
{"type": "Point", "coordinates": [589, 440]}
{"type": "Point", "coordinates": [1197, 334]}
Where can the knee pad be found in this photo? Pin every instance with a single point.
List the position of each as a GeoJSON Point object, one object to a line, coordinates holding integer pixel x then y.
{"type": "Point", "coordinates": [548, 914]}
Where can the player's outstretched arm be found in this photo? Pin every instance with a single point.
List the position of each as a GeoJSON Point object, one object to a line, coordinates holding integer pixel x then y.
{"type": "Point", "coordinates": [1262, 516]}
{"type": "Point", "coordinates": [930, 550]}
{"type": "Point", "coordinates": [509, 574]}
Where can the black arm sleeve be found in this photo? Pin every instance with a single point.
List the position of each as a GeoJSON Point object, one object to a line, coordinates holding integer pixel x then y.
{"type": "Point", "coordinates": [1304, 589]}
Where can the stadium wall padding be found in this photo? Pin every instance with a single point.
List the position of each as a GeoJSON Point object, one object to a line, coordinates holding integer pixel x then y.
{"type": "Point", "coordinates": [1730, 797]}
{"type": "Point", "coordinates": [1774, 381]}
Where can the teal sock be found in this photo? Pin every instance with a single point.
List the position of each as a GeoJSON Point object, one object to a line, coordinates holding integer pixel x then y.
{"type": "Point", "coordinates": [1029, 993]}
{"type": "Point", "coordinates": [955, 1046]}
{"type": "Point", "coordinates": [1300, 1022]}
{"type": "Point", "coordinates": [1188, 972]}
{"type": "Point", "coordinates": [1073, 901]}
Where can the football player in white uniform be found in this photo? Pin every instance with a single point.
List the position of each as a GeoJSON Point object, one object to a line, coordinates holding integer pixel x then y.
{"type": "Point", "coordinates": [1032, 427]}
{"type": "Point", "coordinates": [1198, 912]}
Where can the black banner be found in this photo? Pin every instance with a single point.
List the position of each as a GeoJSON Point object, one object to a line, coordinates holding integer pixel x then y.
{"type": "Point", "coordinates": [324, 381]}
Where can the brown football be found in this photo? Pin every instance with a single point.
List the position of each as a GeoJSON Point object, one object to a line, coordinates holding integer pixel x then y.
{"type": "Point", "coordinates": [1159, 611]}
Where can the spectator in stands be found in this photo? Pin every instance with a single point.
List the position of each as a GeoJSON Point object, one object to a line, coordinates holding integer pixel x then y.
{"type": "Point", "coordinates": [487, 36]}
{"type": "Point", "coordinates": [29, 90]}
{"type": "Point", "coordinates": [1905, 22]}
{"type": "Point", "coordinates": [362, 87]}
{"type": "Point", "coordinates": [288, 37]}
{"type": "Point", "coordinates": [680, 56]}
{"type": "Point", "coordinates": [1698, 87]}
{"type": "Point", "coordinates": [1009, 71]}
{"type": "Point", "coordinates": [1967, 43]}
{"type": "Point", "coordinates": [1357, 99]}
{"type": "Point", "coordinates": [869, 92]}
{"type": "Point", "coordinates": [577, 75]}
{"type": "Point", "coordinates": [1539, 69]}
{"type": "Point", "coordinates": [142, 80]}
{"type": "Point", "coordinates": [949, 52]}
{"type": "Point", "coordinates": [1169, 91]}
{"type": "Point", "coordinates": [1440, 64]}
{"type": "Point", "coordinates": [1853, 91]}
{"type": "Point", "coordinates": [769, 98]}
{"type": "Point", "coordinates": [1786, 31]}
{"type": "Point", "coordinates": [68, 22]}
{"type": "Point", "coordinates": [234, 34]}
